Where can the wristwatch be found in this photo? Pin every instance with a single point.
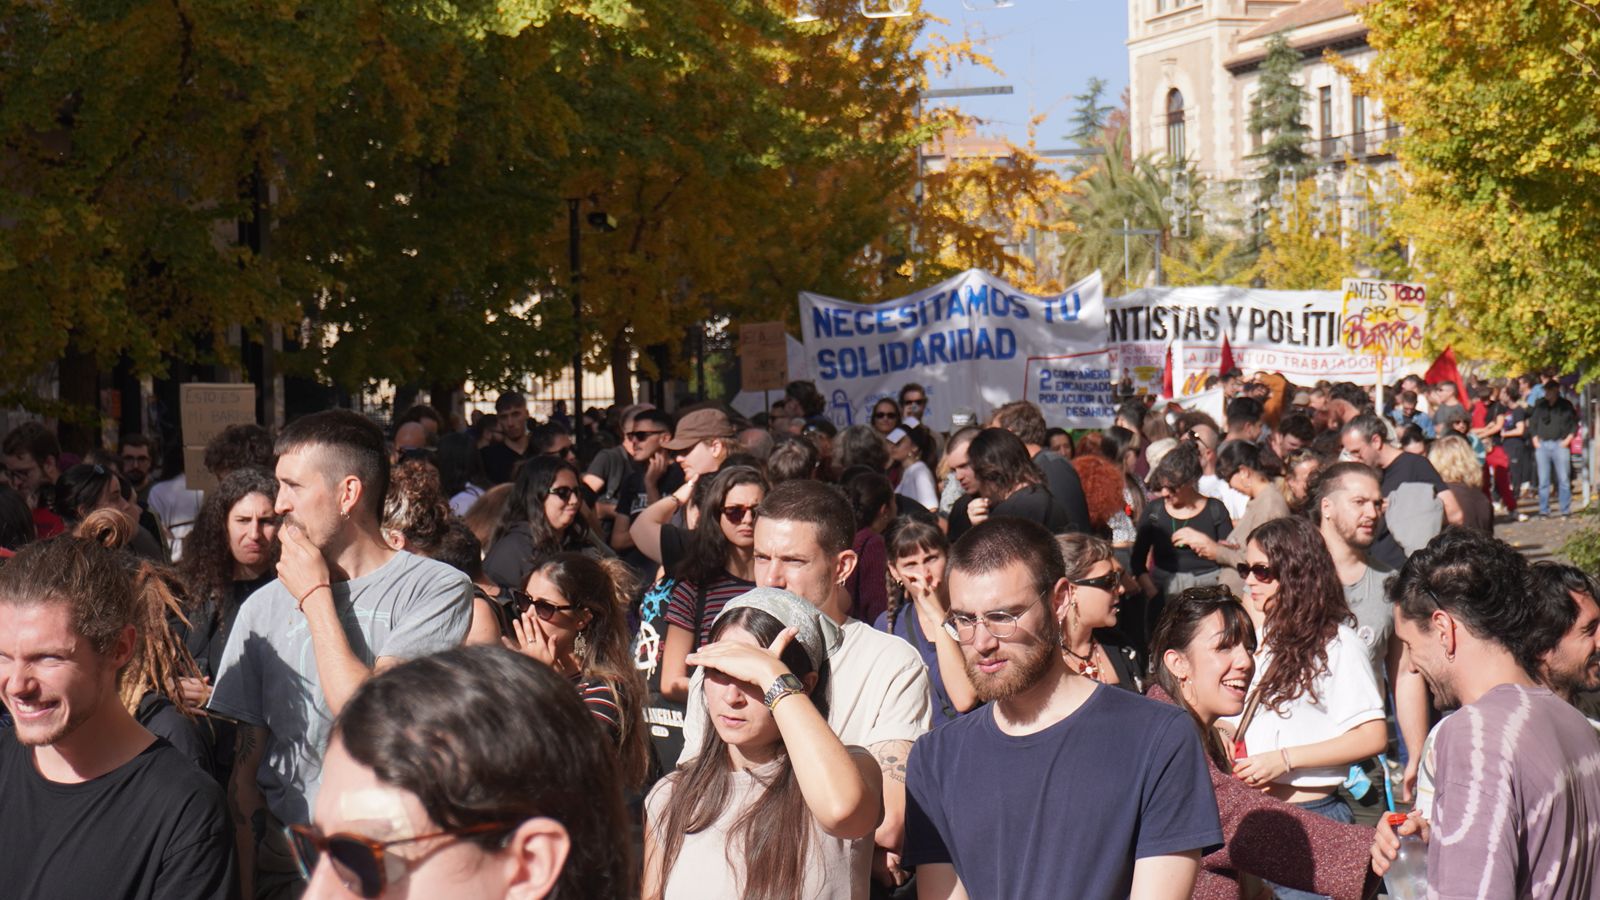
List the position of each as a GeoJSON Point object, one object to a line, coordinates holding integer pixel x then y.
{"type": "Point", "coordinates": [785, 685]}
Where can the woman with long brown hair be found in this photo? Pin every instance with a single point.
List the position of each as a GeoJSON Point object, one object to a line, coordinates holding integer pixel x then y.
{"type": "Point", "coordinates": [1090, 642]}
{"type": "Point", "coordinates": [574, 618]}
{"type": "Point", "coordinates": [1201, 661]}
{"type": "Point", "coordinates": [773, 806]}
{"type": "Point", "coordinates": [1316, 707]}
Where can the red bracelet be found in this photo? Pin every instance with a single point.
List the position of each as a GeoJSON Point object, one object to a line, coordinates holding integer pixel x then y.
{"type": "Point", "coordinates": [300, 604]}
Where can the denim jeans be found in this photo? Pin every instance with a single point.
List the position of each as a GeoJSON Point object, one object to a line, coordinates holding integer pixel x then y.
{"type": "Point", "coordinates": [1552, 455]}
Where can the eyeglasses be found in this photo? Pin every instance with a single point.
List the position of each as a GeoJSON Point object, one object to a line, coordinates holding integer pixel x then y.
{"type": "Point", "coordinates": [639, 437]}
{"type": "Point", "coordinates": [1263, 574]}
{"type": "Point", "coordinates": [736, 514]}
{"type": "Point", "coordinates": [566, 452]}
{"type": "Point", "coordinates": [885, 415]}
{"type": "Point", "coordinates": [914, 401]}
{"type": "Point", "coordinates": [358, 860]}
{"type": "Point", "coordinates": [522, 601]}
{"type": "Point", "coordinates": [963, 627]}
{"type": "Point", "coordinates": [564, 493]}
{"type": "Point", "coordinates": [1106, 582]}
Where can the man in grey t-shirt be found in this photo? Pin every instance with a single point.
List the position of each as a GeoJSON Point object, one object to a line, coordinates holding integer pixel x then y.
{"type": "Point", "coordinates": [344, 606]}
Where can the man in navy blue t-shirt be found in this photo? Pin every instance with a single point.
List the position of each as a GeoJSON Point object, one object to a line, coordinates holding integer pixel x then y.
{"type": "Point", "coordinates": [1061, 787]}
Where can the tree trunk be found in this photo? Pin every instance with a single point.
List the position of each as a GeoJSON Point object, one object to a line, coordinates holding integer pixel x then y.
{"type": "Point", "coordinates": [622, 370]}
{"type": "Point", "coordinates": [79, 430]}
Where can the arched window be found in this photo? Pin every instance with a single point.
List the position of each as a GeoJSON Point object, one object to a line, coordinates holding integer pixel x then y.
{"type": "Point", "coordinates": [1175, 145]}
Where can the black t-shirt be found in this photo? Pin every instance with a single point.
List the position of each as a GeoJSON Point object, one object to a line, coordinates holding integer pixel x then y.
{"type": "Point", "coordinates": [1552, 422]}
{"type": "Point", "coordinates": [1407, 468]}
{"type": "Point", "coordinates": [1035, 504]}
{"type": "Point", "coordinates": [1066, 488]}
{"type": "Point", "coordinates": [1156, 528]}
{"type": "Point", "coordinates": [499, 461]}
{"type": "Point", "coordinates": [164, 720]}
{"type": "Point", "coordinates": [960, 522]}
{"type": "Point", "coordinates": [153, 829]}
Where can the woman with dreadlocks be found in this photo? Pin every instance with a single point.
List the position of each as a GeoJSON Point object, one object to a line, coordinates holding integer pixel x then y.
{"type": "Point", "coordinates": [150, 682]}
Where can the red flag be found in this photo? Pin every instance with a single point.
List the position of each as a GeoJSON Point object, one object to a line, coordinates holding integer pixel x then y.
{"type": "Point", "coordinates": [1444, 369]}
{"type": "Point", "coordinates": [1226, 364]}
{"type": "Point", "coordinates": [1166, 375]}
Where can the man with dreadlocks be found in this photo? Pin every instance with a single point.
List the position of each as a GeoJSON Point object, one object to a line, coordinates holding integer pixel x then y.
{"type": "Point", "coordinates": [91, 803]}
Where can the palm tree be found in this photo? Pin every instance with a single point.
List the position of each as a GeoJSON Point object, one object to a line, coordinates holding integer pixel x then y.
{"type": "Point", "coordinates": [1115, 193]}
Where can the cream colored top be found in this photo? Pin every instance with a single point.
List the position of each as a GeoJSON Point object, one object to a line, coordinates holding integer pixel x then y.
{"type": "Point", "coordinates": [710, 866]}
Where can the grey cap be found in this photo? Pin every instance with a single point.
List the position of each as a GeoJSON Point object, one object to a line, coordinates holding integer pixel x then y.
{"type": "Point", "coordinates": [815, 632]}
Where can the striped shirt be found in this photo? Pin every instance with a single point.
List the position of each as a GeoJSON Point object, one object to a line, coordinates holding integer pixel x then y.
{"type": "Point", "coordinates": [680, 607]}
{"type": "Point", "coordinates": [604, 706]}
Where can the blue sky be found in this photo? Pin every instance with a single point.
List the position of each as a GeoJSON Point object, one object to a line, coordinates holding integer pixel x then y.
{"type": "Point", "coordinates": [1048, 50]}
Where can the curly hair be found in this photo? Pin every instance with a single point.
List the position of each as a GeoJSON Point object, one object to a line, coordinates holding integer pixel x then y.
{"type": "Point", "coordinates": [1309, 610]}
{"type": "Point", "coordinates": [207, 562]}
{"type": "Point", "coordinates": [416, 508]}
{"type": "Point", "coordinates": [1102, 482]}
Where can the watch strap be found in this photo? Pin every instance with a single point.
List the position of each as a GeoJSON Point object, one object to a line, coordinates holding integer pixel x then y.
{"type": "Point", "coordinates": [783, 686]}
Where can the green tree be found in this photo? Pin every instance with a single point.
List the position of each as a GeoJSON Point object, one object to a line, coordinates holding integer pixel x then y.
{"type": "Point", "coordinates": [1277, 114]}
{"type": "Point", "coordinates": [1090, 117]}
{"type": "Point", "coordinates": [1497, 103]}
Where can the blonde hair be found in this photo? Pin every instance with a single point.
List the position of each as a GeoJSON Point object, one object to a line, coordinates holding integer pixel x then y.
{"type": "Point", "coordinates": [1452, 456]}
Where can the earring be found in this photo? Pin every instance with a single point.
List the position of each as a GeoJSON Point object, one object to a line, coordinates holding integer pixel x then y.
{"type": "Point", "coordinates": [580, 646]}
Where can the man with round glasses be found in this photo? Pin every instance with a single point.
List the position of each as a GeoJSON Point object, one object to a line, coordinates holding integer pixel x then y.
{"type": "Point", "coordinates": [1061, 786]}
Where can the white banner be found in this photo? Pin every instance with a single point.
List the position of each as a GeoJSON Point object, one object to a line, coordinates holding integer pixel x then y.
{"type": "Point", "coordinates": [1301, 334]}
{"type": "Point", "coordinates": [973, 342]}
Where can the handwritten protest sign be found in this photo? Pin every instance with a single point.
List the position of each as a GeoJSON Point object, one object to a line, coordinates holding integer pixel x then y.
{"type": "Point", "coordinates": [1384, 318]}
{"type": "Point", "coordinates": [204, 410]}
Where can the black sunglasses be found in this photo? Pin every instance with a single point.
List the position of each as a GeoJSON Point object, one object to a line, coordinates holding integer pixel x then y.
{"type": "Point", "coordinates": [914, 401]}
{"type": "Point", "coordinates": [736, 514]}
{"type": "Point", "coordinates": [885, 415]}
{"type": "Point", "coordinates": [1105, 582]}
{"type": "Point", "coordinates": [522, 601]}
{"type": "Point", "coordinates": [1263, 574]}
{"type": "Point", "coordinates": [639, 437]}
{"type": "Point", "coordinates": [564, 493]}
{"type": "Point", "coordinates": [358, 860]}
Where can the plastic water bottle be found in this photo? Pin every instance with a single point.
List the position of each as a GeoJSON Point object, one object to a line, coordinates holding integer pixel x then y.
{"type": "Point", "coordinates": [1407, 878]}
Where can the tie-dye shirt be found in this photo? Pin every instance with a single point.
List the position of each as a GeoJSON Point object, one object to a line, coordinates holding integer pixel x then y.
{"type": "Point", "coordinates": [1517, 810]}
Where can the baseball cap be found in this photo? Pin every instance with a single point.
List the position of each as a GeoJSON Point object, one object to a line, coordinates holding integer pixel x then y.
{"type": "Point", "coordinates": [700, 425]}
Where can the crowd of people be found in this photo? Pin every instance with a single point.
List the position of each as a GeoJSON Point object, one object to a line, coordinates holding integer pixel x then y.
{"type": "Point", "coordinates": [694, 655]}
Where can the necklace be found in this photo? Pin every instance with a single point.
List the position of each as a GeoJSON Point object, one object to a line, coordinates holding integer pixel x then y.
{"type": "Point", "coordinates": [1087, 667]}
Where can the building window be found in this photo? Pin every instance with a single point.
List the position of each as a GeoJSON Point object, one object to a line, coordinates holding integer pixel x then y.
{"type": "Point", "coordinates": [1161, 6]}
{"type": "Point", "coordinates": [1255, 116]}
{"type": "Point", "coordinates": [1325, 105]}
{"type": "Point", "coordinates": [1175, 145]}
{"type": "Point", "coordinates": [1358, 124]}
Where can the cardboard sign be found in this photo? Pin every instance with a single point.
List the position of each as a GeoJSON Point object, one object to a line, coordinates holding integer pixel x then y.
{"type": "Point", "coordinates": [1385, 318]}
{"type": "Point", "coordinates": [204, 411]}
{"type": "Point", "coordinates": [763, 357]}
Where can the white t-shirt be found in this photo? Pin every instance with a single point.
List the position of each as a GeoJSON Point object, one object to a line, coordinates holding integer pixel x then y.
{"type": "Point", "coordinates": [916, 482]}
{"type": "Point", "coordinates": [1347, 696]}
{"type": "Point", "coordinates": [877, 691]}
{"type": "Point", "coordinates": [176, 507]}
{"type": "Point", "coordinates": [1235, 501]}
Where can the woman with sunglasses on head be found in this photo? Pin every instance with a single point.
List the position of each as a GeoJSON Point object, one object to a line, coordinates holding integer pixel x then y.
{"type": "Point", "coordinates": [919, 601]}
{"type": "Point", "coordinates": [1162, 561]}
{"type": "Point", "coordinates": [1316, 707]}
{"type": "Point", "coordinates": [573, 617]}
{"type": "Point", "coordinates": [773, 806]}
{"type": "Point", "coordinates": [465, 820]}
{"type": "Point", "coordinates": [719, 566]}
{"type": "Point", "coordinates": [1088, 615]}
{"type": "Point", "coordinates": [85, 488]}
{"type": "Point", "coordinates": [541, 519]}
{"type": "Point", "coordinates": [1201, 660]}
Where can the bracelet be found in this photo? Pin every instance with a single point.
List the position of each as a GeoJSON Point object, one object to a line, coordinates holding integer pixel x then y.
{"type": "Point", "coordinates": [300, 604]}
{"type": "Point", "coordinates": [1284, 752]}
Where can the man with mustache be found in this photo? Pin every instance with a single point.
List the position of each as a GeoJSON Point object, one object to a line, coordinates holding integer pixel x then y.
{"type": "Point", "coordinates": [345, 605]}
{"type": "Point", "coordinates": [1037, 795]}
{"type": "Point", "coordinates": [1566, 596]}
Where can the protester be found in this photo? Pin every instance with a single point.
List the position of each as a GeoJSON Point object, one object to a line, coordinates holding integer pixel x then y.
{"type": "Point", "coordinates": [654, 474]}
{"type": "Point", "coordinates": [1462, 473]}
{"type": "Point", "coordinates": [1552, 422]}
{"type": "Point", "coordinates": [872, 500]}
{"type": "Point", "coordinates": [1254, 472]}
{"type": "Point", "coordinates": [1416, 499]}
{"type": "Point", "coordinates": [85, 488]}
{"type": "Point", "coordinates": [718, 567]}
{"type": "Point", "coordinates": [1294, 433]}
{"type": "Point", "coordinates": [1024, 420]}
{"type": "Point", "coordinates": [574, 618]}
{"type": "Point", "coordinates": [1315, 708]}
{"type": "Point", "coordinates": [417, 519]}
{"type": "Point", "coordinates": [136, 462]}
{"type": "Point", "coordinates": [878, 686]}
{"type": "Point", "coordinates": [95, 804]}
{"type": "Point", "coordinates": [1300, 469]}
{"type": "Point", "coordinates": [911, 448]}
{"type": "Point", "coordinates": [1059, 442]}
{"type": "Point", "coordinates": [885, 416]}
{"type": "Point", "coordinates": [770, 776]}
{"type": "Point", "coordinates": [1088, 614]}
{"type": "Point", "coordinates": [1202, 433]}
{"type": "Point", "coordinates": [466, 821]}
{"type": "Point", "coordinates": [918, 602]}
{"type": "Point", "coordinates": [984, 810]}
{"type": "Point", "coordinates": [1009, 483]}
{"type": "Point", "coordinates": [702, 441]}
{"type": "Point", "coordinates": [958, 482]}
{"type": "Point", "coordinates": [540, 519]}
{"type": "Point", "coordinates": [238, 447]}
{"type": "Point", "coordinates": [345, 604]}
{"type": "Point", "coordinates": [32, 459]}
{"type": "Point", "coordinates": [233, 550]}
{"type": "Point", "coordinates": [1202, 660]}
{"type": "Point", "coordinates": [500, 458]}
{"type": "Point", "coordinates": [175, 505]}
{"type": "Point", "coordinates": [1163, 565]}
{"type": "Point", "coordinates": [792, 458]}
{"type": "Point", "coordinates": [914, 402]}
{"type": "Point", "coordinates": [16, 522]}
{"type": "Point", "coordinates": [1516, 803]}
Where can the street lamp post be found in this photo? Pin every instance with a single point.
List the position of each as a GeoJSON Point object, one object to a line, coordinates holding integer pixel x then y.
{"type": "Point", "coordinates": [573, 236]}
